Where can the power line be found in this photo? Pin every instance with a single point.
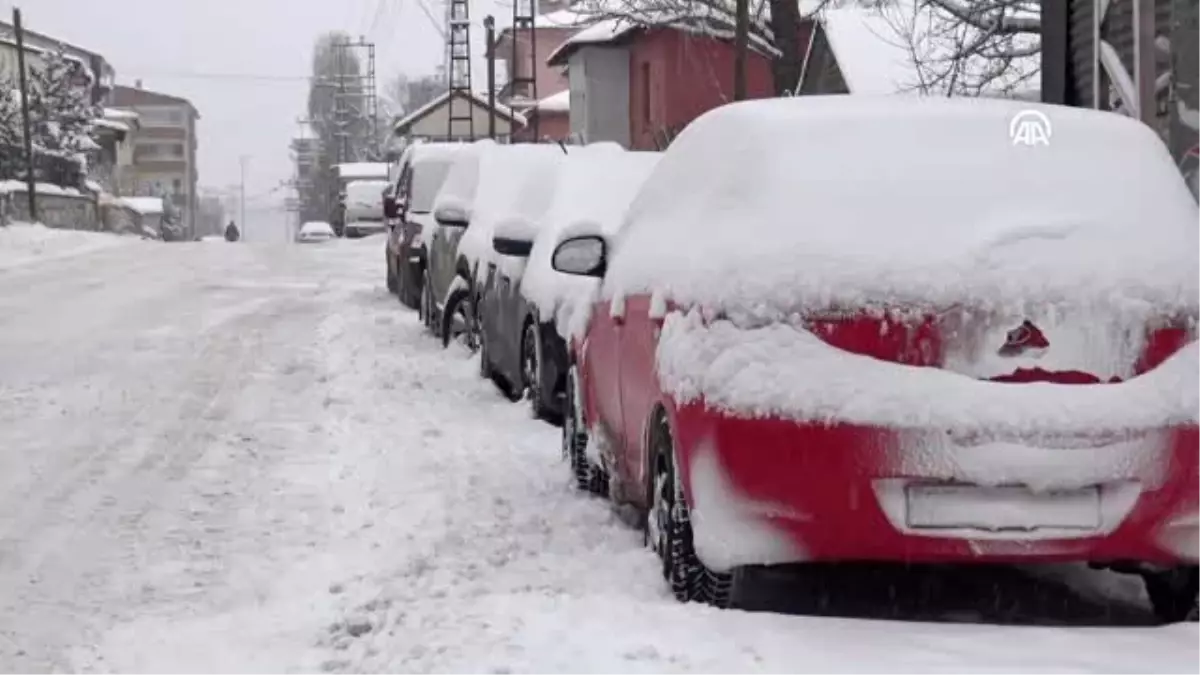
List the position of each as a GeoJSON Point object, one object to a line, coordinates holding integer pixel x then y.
{"type": "Point", "coordinates": [251, 77]}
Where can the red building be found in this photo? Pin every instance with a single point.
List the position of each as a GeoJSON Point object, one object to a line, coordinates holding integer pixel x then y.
{"type": "Point", "coordinates": [639, 86]}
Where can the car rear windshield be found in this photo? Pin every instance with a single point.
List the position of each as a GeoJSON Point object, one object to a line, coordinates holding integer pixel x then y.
{"type": "Point", "coordinates": [428, 177]}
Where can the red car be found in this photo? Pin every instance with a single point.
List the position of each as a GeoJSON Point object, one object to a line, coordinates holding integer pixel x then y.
{"type": "Point", "coordinates": [856, 329]}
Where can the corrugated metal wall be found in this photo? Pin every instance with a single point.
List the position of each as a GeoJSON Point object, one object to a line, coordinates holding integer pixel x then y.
{"type": "Point", "coordinates": [1118, 31]}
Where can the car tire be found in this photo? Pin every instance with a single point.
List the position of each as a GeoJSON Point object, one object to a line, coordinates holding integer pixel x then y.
{"type": "Point", "coordinates": [531, 371]}
{"type": "Point", "coordinates": [1173, 593]}
{"type": "Point", "coordinates": [393, 285]}
{"type": "Point", "coordinates": [458, 306]}
{"type": "Point", "coordinates": [409, 286]}
{"type": "Point", "coordinates": [587, 476]}
{"type": "Point", "coordinates": [669, 529]}
{"type": "Point", "coordinates": [427, 307]}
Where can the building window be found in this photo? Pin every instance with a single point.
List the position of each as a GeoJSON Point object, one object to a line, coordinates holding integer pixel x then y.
{"type": "Point", "coordinates": [646, 92]}
{"type": "Point", "coordinates": [177, 186]}
{"type": "Point", "coordinates": [177, 150]}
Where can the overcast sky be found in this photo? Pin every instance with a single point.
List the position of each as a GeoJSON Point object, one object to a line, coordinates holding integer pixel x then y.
{"type": "Point", "coordinates": [241, 62]}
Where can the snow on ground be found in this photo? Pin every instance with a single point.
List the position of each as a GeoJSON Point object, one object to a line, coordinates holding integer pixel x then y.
{"type": "Point", "coordinates": [259, 463]}
{"type": "Point", "coordinates": [23, 243]}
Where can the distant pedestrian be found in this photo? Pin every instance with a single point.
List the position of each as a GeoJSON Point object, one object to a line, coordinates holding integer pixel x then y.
{"type": "Point", "coordinates": [231, 232]}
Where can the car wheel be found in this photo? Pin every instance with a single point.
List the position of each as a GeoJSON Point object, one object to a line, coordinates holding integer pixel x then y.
{"type": "Point", "coordinates": [392, 285]}
{"type": "Point", "coordinates": [531, 371]}
{"type": "Point", "coordinates": [588, 477]}
{"type": "Point", "coordinates": [1173, 593]}
{"type": "Point", "coordinates": [427, 304]}
{"type": "Point", "coordinates": [669, 530]}
{"type": "Point", "coordinates": [457, 322]}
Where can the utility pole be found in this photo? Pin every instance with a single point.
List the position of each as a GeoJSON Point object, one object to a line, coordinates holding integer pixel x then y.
{"type": "Point", "coordinates": [741, 45]}
{"type": "Point", "coordinates": [27, 126]}
{"type": "Point", "coordinates": [489, 25]}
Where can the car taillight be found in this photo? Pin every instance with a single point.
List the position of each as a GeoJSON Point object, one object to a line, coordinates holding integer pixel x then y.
{"type": "Point", "coordinates": [1163, 339]}
{"type": "Point", "coordinates": [913, 340]}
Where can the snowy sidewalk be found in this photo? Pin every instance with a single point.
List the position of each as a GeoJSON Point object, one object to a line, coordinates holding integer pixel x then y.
{"type": "Point", "coordinates": [24, 244]}
{"type": "Point", "coordinates": [260, 463]}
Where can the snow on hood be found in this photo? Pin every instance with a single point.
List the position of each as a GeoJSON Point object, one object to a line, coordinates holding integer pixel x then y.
{"type": "Point", "coordinates": [597, 183]}
{"type": "Point", "coordinates": [516, 184]}
{"type": "Point", "coordinates": [841, 201]}
{"type": "Point", "coordinates": [456, 198]}
{"type": "Point", "coordinates": [783, 371]}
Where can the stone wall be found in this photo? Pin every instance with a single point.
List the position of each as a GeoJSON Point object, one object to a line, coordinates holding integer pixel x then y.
{"type": "Point", "coordinates": [68, 212]}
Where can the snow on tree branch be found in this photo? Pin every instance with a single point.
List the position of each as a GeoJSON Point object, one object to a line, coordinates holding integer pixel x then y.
{"type": "Point", "coordinates": [996, 17]}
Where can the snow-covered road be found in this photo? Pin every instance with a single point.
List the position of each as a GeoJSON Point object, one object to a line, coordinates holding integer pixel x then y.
{"type": "Point", "coordinates": [248, 458]}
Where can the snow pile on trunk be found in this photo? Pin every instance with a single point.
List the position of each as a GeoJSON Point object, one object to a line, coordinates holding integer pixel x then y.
{"type": "Point", "coordinates": [783, 371]}
{"type": "Point", "coordinates": [23, 243]}
{"type": "Point", "coordinates": [597, 183]}
{"type": "Point", "coordinates": [516, 184]}
{"type": "Point", "coordinates": [840, 201]}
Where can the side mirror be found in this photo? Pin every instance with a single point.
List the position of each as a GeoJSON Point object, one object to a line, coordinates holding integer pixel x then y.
{"type": "Point", "coordinates": [581, 256]}
{"type": "Point", "coordinates": [450, 217]}
{"type": "Point", "coordinates": [517, 248]}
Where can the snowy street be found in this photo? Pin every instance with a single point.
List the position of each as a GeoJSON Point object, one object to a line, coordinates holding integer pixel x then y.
{"type": "Point", "coordinates": [251, 458]}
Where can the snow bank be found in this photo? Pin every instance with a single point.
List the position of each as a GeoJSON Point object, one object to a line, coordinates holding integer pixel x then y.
{"type": "Point", "coordinates": [22, 243]}
{"type": "Point", "coordinates": [516, 183]}
{"type": "Point", "coordinates": [596, 185]}
{"type": "Point", "coordinates": [782, 371]}
{"type": "Point", "coordinates": [822, 202]}
{"type": "Point", "coordinates": [456, 198]}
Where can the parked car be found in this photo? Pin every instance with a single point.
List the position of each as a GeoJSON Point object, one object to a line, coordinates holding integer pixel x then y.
{"type": "Point", "coordinates": [423, 169]}
{"type": "Point", "coordinates": [520, 309]}
{"type": "Point", "coordinates": [315, 231]}
{"type": "Point", "coordinates": [514, 182]}
{"type": "Point", "coordinates": [445, 272]}
{"type": "Point", "coordinates": [363, 208]}
{"type": "Point", "coordinates": [975, 351]}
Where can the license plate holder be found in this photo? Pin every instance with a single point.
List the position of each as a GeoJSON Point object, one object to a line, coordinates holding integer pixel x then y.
{"type": "Point", "coordinates": [1001, 508]}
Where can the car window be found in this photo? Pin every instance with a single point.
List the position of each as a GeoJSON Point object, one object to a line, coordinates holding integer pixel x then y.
{"type": "Point", "coordinates": [404, 182]}
{"type": "Point", "coordinates": [425, 180]}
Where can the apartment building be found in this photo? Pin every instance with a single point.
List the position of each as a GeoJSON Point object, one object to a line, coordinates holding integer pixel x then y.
{"type": "Point", "coordinates": [94, 71]}
{"type": "Point", "coordinates": [164, 149]}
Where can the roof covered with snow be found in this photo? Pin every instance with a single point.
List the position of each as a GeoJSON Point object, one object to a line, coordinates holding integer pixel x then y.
{"type": "Point", "coordinates": [516, 184]}
{"type": "Point", "coordinates": [902, 47]}
{"type": "Point", "coordinates": [828, 201]}
{"type": "Point", "coordinates": [144, 205]}
{"type": "Point", "coordinates": [403, 124]}
{"type": "Point", "coordinates": [595, 185]}
{"type": "Point", "coordinates": [456, 198]}
{"type": "Point", "coordinates": [555, 103]}
{"type": "Point", "coordinates": [361, 170]}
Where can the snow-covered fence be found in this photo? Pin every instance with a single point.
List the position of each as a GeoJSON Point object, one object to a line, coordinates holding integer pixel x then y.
{"type": "Point", "coordinates": [47, 168]}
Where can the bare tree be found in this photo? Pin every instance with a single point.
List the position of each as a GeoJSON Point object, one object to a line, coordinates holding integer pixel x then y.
{"type": "Point", "coordinates": [957, 47]}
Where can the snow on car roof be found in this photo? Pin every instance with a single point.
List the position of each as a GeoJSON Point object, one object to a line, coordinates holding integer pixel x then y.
{"type": "Point", "coordinates": [354, 170]}
{"type": "Point", "coordinates": [820, 201]}
{"type": "Point", "coordinates": [145, 206]}
{"type": "Point", "coordinates": [516, 184]}
{"type": "Point", "coordinates": [595, 187]}
{"type": "Point", "coordinates": [316, 226]}
{"type": "Point", "coordinates": [456, 198]}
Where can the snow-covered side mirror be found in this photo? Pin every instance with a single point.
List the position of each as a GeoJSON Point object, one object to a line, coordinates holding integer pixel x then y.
{"type": "Point", "coordinates": [517, 248]}
{"type": "Point", "coordinates": [582, 256]}
{"type": "Point", "coordinates": [450, 217]}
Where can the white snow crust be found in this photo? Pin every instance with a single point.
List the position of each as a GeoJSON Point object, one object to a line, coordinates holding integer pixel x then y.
{"type": "Point", "coordinates": [23, 244]}
{"type": "Point", "coordinates": [516, 185]}
{"type": "Point", "coordinates": [595, 187]}
{"type": "Point", "coordinates": [783, 371]}
{"type": "Point", "coordinates": [843, 201]}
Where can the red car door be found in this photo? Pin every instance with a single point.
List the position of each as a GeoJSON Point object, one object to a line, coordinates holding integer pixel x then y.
{"type": "Point", "coordinates": [601, 374]}
{"type": "Point", "coordinates": [639, 387]}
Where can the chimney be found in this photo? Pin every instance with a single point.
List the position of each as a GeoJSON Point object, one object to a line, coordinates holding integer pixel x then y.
{"type": "Point", "coordinates": [138, 84]}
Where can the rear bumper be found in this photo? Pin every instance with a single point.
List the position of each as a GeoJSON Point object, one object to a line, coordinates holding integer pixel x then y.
{"type": "Point", "coordinates": [773, 491]}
